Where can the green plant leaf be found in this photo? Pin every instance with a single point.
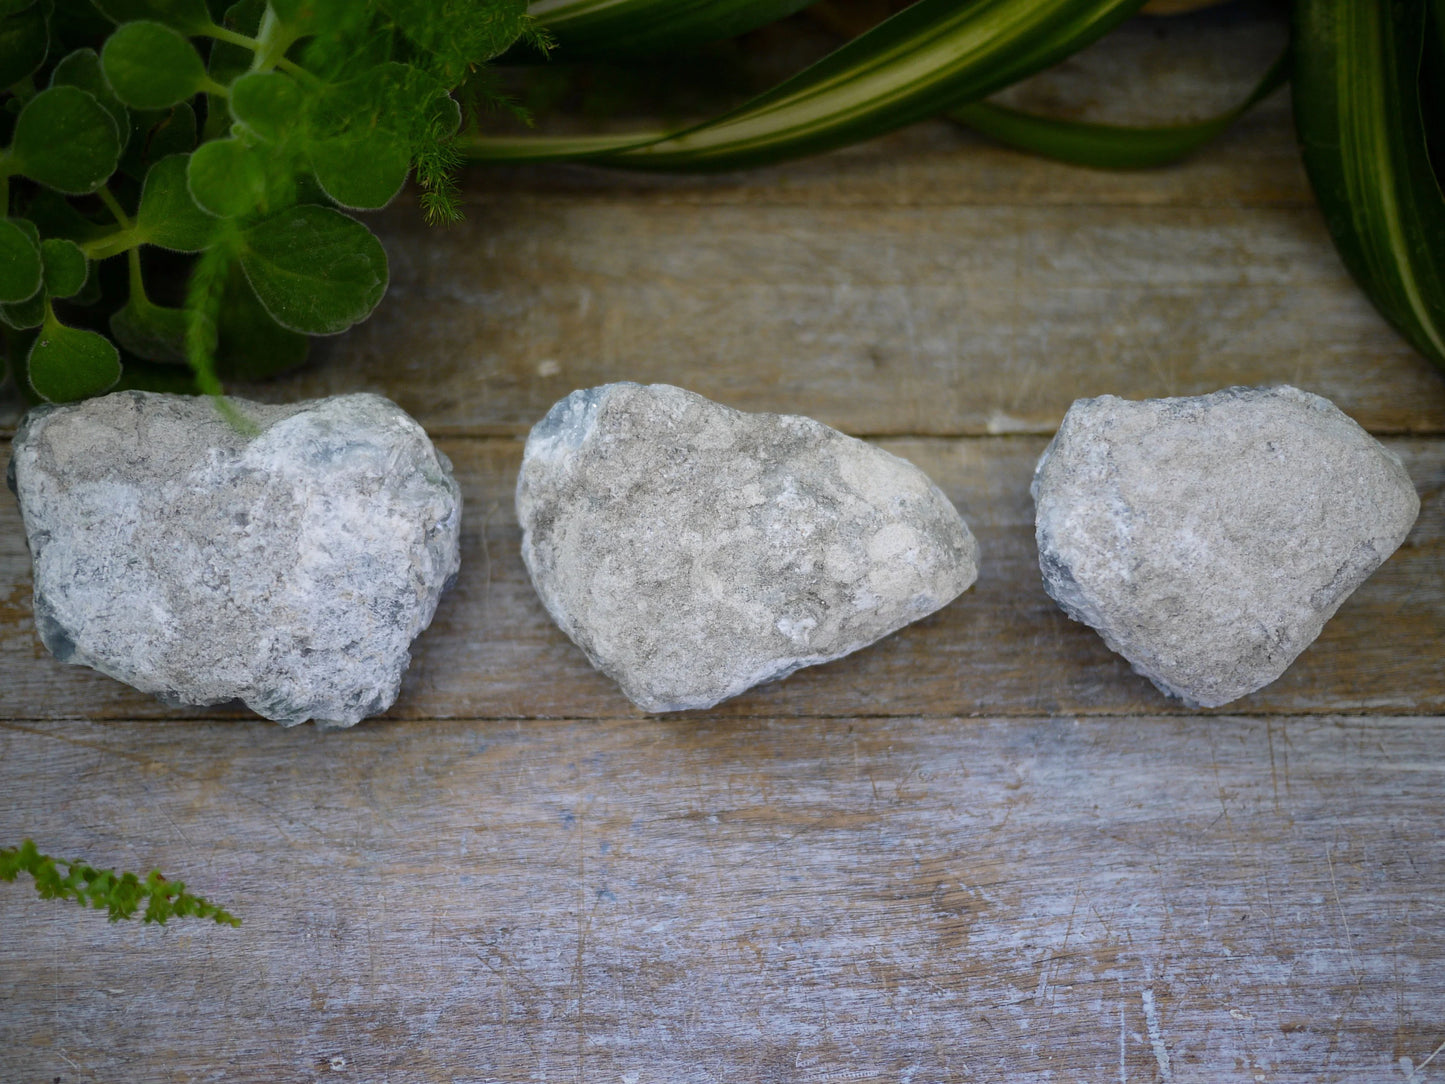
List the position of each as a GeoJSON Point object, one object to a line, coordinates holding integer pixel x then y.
{"type": "Point", "coordinates": [25, 314]}
{"type": "Point", "coordinates": [1110, 146]}
{"type": "Point", "coordinates": [65, 139]}
{"type": "Point", "coordinates": [226, 178]}
{"type": "Point", "coordinates": [149, 331]}
{"type": "Point", "coordinates": [167, 215]}
{"type": "Point", "coordinates": [930, 56]}
{"type": "Point", "coordinates": [187, 16]}
{"type": "Point", "coordinates": [20, 265]}
{"type": "Point", "coordinates": [1358, 116]}
{"type": "Point", "coordinates": [65, 267]}
{"type": "Point", "coordinates": [24, 41]}
{"type": "Point", "coordinates": [363, 171]}
{"type": "Point", "coordinates": [251, 345]}
{"type": "Point", "coordinates": [647, 27]}
{"type": "Point", "coordinates": [82, 69]}
{"type": "Point", "coordinates": [270, 106]}
{"type": "Point", "coordinates": [151, 66]}
{"type": "Point", "coordinates": [70, 363]}
{"type": "Point", "coordinates": [316, 271]}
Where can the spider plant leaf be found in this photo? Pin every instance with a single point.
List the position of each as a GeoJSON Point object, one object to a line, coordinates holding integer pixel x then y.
{"type": "Point", "coordinates": [1358, 116]}
{"type": "Point", "coordinates": [1110, 146]}
{"type": "Point", "coordinates": [643, 27]}
{"type": "Point", "coordinates": [930, 56]}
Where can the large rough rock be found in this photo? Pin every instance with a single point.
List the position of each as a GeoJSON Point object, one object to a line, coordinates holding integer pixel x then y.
{"type": "Point", "coordinates": [693, 551]}
{"type": "Point", "coordinates": [289, 568]}
{"type": "Point", "coordinates": [1209, 539]}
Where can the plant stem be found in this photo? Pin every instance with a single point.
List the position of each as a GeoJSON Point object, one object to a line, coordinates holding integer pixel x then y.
{"type": "Point", "coordinates": [113, 206]}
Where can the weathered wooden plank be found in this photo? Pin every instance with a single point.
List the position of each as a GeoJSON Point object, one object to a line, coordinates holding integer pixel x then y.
{"type": "Point", "coordinates": [661, 900]}
{"type": "Point", "coordinates": [878, 320]}
{"type": "Point", "coordinates": [1001, 649]}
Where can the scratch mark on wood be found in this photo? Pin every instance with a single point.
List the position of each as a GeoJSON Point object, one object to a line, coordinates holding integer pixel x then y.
{"type": "Point", "coordinates": [1344, 920]}
{"type": "Point", "coordinates": [1123, 1063]}
{"type": "Point", "coordinates": [1156, 1035]}
{"type": "Point", "coordinates": [1416, 1071]}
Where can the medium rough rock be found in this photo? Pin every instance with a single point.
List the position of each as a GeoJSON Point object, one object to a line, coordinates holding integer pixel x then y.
{"type": "Point", "coordinates": [1209, 539]}
{"type": "Point", "coordinates": [693, 551]}
{"type": "Point", "coordinates": [289, 568]}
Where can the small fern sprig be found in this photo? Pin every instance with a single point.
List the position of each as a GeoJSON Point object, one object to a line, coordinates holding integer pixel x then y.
{"type": "Point", "coordinates": [120, 894]}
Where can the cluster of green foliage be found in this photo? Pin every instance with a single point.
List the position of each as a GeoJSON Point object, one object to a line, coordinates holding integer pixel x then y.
{"type": "Point", "coordinates": [237, 134]}
{"type": "Point", "coordinates": [120, 894]}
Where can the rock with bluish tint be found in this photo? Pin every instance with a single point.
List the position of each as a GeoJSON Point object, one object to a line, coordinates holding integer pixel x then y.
{"type": "Point", "coordinates": [693, 551]}
{"type": "Point", "coordinates": [1208, 539]}
{"type": "Point", "coordinates": [288, 565]}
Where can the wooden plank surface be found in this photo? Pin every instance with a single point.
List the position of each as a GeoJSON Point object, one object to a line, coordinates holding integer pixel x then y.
{"type": "Point", "coordinates": [693, 899]}
{"type": "Point", "coordinates": [1003, 648]}
{"type": "Point", "coordinates": [980, 850]}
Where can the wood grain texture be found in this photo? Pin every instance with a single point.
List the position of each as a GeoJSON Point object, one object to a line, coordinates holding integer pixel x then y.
{"type": "Point", "coordinates": [676, 900]}
{"type": "Point", "coordinates": [980, 850]}
{"type": "Point", "coordinates": [1003, 648]}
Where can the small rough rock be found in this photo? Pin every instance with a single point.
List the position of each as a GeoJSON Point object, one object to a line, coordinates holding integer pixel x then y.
{"type": "Point", "coordinates": [1209, 539]}
{"type": "Point", "coordinates": [694, 551]}
{"type": "Point", "coordinates": [289, 567]}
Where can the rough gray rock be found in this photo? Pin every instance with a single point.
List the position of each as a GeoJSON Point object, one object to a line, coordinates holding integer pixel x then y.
{"type": "Point", "coordinates": [693, 551]}
{"type": "Point", "coordinates": [289, 569]}
{"type": "Point", "coordinates": [1209, 539]}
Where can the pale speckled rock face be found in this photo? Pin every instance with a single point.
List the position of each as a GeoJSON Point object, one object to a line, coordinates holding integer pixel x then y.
{"type": "Point", "coordinates": [290, 569]}
{"type": "Point", "coordinates": [1208, 539]}
{"type": "Point", "coordinates": [693, 551]}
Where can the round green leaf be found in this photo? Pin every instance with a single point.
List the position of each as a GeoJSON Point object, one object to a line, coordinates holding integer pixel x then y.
{"type": "Point", "coordinates": [25, 314]}
{"type": "Point", "coordinates": [24, 41]}
{"type": "Point", "coordinates": [315, 270]}
{"type": "Point", "coordinates": [65, 139]}
{"type": "Point", "coordinates": [65, 265]}
{"type": "Point", "coordinates": [153, 332]}
{"type": "Point", "coordinates": [20, 267]}
{"type": "Point", "coordinates": [69, 363]}
{"type": "Point", "coordinates": [226, 178]}
{"type": "Point", "coordinates": [269, 105]}
{"type": "Point", "coordinates": [151, 66]}
{"type": "Point", "coordinates": [82, 69]}
{"type": "Point", "coordinates": [362, 171]}
{"type": "Point", "coordinates": [189, 16]}
{"type": "Point", "coordinates": [168, 216]}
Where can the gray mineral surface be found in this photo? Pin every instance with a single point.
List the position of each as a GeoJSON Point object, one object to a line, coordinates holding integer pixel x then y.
{"type": "Point", "coordinates": [289, 568]}
{"type": "Point", "coordinates": [1209, 539]}
{"type": "Point", "coordinates": [693, 551]}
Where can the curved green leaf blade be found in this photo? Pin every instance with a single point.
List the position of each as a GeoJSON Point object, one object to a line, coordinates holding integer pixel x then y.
{"type": "Point", "coordinates": [64, 138]}
{"type": "Point", "coordinates": [1357, 114]}
{"type": "Point", "coordinates": [25, 314]}
{"type": "Point", "coordinates": [65, 267]}
{"type": "Point", "coordinates": [361, 171]}
{"type": "Point", "coordinates": [151, 66]}
{"type": "Point", "coordinates": [82, 69]}
{"type": "Point", "coordinates": [269, 105]}
{"type": "Point", "coordinates": [20, 267]}
{"type": "Point", "coordinates": [168, 216]}
{"type": "Point", "coordinates": [149, 331]}
{"type": "Point", "coordinates": [24, 41]}
{"type": "Point", "coordinates": [69, 363]}
{"type": "Point", "coordinates": [645, 27]}
{"type": "Point", "coordinates": [1110, 146]}
{"type": "Point", "coordinates": [316, 271]}
{"type": "Point", "coordinates": [226, 178]}
{"type": "Point", "coordinates": [930, 56]}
